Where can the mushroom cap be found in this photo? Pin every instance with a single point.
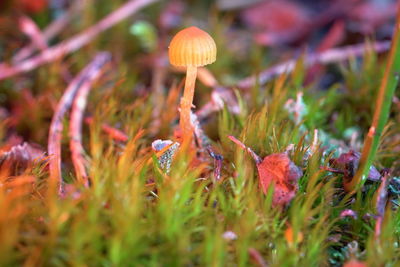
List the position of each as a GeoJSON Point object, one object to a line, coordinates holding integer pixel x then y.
{"type": "Point", "coordinates": [192, 47]}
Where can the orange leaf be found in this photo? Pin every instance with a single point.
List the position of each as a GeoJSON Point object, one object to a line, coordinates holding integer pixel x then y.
{"type": "Point", "coordinates": [279, 170]}
{"type": "Point", "coordinates": [354, 263]}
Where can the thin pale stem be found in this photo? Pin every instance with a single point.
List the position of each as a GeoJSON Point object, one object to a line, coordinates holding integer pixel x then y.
{"type": "Point", "coordinates": [186, 103]}
{"type": "Point", "coordinates": [75, 132]}
{"type": "Point", "coordinates": [74, 43]}
{"type": "Point", "coordinates": [382, 109]}
{"type": "Point", "coordinates": [88, 74]}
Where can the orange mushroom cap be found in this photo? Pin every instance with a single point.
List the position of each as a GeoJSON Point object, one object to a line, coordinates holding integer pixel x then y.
{"type": "Point", "coordinates": [192, 47]}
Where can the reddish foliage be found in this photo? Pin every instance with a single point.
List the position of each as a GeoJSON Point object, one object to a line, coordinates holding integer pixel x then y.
{"type": "Point", "coordinates": [279, 170]}
{"type": "Point", "coordinates": [257, 257]}
{"type": "Point", "coordinates": [354, 263]}
{"type": "Point", "coordinates": [347, 163]}
{"type": "Point", "coordinates": [278, 21]}
{"type": "Point", "coordinates": [19, 157]}
{"type": "Point", "coordinates": [369, 16]}
{"type": "Point", "coordinates": [32, 6]}
{"type": "Point", "coordinates": [334, 37]}
{"type": "Point", "coordinates": [114, 133]}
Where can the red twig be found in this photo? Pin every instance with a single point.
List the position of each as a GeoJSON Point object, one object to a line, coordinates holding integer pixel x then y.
{"type": "Point", "coordinates": [75, 42]}
{"type": "Point", "coordinates": [49, 32]}
{"type": "Point", "coordinates": [256, 158]}
{"type": "Point", "coordinates": [329, 56]}
{"type": "Point", "coordinates": [75, 126]}
{"type": "Point", "coordinates": [221, 95]}
{"type": "Point", "coordinates": [87, 75]}
{"type": "Point", "coordinates": [114, 133]}
{"type": "Point", "coordinates": [38, 40]}
{"type": "Point", "coordinates": [257, 258]}
{"type": "Point", "coordinates": [30, 28]}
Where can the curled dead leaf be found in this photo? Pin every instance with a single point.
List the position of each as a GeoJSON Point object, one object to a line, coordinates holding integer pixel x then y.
{"type": "Point", "coordinates": [277, 22]}
{"type": "Point", "coordinates": [276, 170]}
{"type": "Point", "coordinates": [347, 164]}
{"type": "Point", "coordinates": [354, 263]}
{"type": "Point", "coordinates": [20, 157]}
{"type": "Point", "coordinates": [30, 6]}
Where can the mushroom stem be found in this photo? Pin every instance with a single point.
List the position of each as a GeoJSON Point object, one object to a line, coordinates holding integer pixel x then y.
{"type": "Point", "coordinates": [186, 103]}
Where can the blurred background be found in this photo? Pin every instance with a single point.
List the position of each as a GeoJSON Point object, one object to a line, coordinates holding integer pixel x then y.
{"type": "Point", "coordinates": [251, 36]}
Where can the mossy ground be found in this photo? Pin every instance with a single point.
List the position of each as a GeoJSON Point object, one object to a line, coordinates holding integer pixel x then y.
{"type": "Point", "coordinates": [123, 221]}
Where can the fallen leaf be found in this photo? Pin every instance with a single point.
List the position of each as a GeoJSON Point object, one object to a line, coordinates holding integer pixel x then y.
{"type": "Point", "coordinates": [277, 170]}
{"type": "Point", "coordinates": [347, 163]}
{"type": "Point", "coordinates": [277, 22]}
{"type": "Point", "coordinates": [32, 6]}
{"type": "Point", "coordinates": [354, 263]}
{"type": "Point", "coordinates": [19, 157]}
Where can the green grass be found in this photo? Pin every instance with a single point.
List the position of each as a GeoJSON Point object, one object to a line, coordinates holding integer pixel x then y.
{"type": "Point", "coordinates": [121, 221]}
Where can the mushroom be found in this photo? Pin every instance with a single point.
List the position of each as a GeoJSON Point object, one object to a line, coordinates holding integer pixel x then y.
{"type": "Point", "coordinates": [190, 48]}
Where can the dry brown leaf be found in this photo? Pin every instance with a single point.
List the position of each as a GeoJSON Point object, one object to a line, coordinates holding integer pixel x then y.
{"type": "Point", "coordinates": [347, 164]}
{"type": "Point", "coordinates": [32, 6]}
{"type": "Point", "coordinates": [277, 170]}
{"type": "Point", "coordinates": [354, 263]}
{"type": "Point", "coordinates": [19, 157]}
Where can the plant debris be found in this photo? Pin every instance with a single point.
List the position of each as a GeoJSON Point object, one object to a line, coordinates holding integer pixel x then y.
{"type": "Point", "coordinates": [347, 164]}
{"type": "Point", "coordinates": [165, 150]}
{"type": "Point", "coordinates": [156, 179]}
{"type": "Point", "coordinates": [20, 157]}
{"type": "Point", "coordinates": [276, 170]}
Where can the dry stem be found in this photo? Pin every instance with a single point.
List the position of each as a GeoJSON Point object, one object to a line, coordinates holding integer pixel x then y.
{"type": "Point", "coordinates": [253, 154]}
{"type": "Point", "coordinates": [76, 42]}
{"type": "Point", "coordinates": [75, 129]}
{"type": "Point", "coordinates": [114, 133]}
{"type": "Point", "coordinates": [88, 74]}
{"type": "Point", "coordinates": [49, 32]}
{"type": "Point", "coordinates": [329, 56]}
